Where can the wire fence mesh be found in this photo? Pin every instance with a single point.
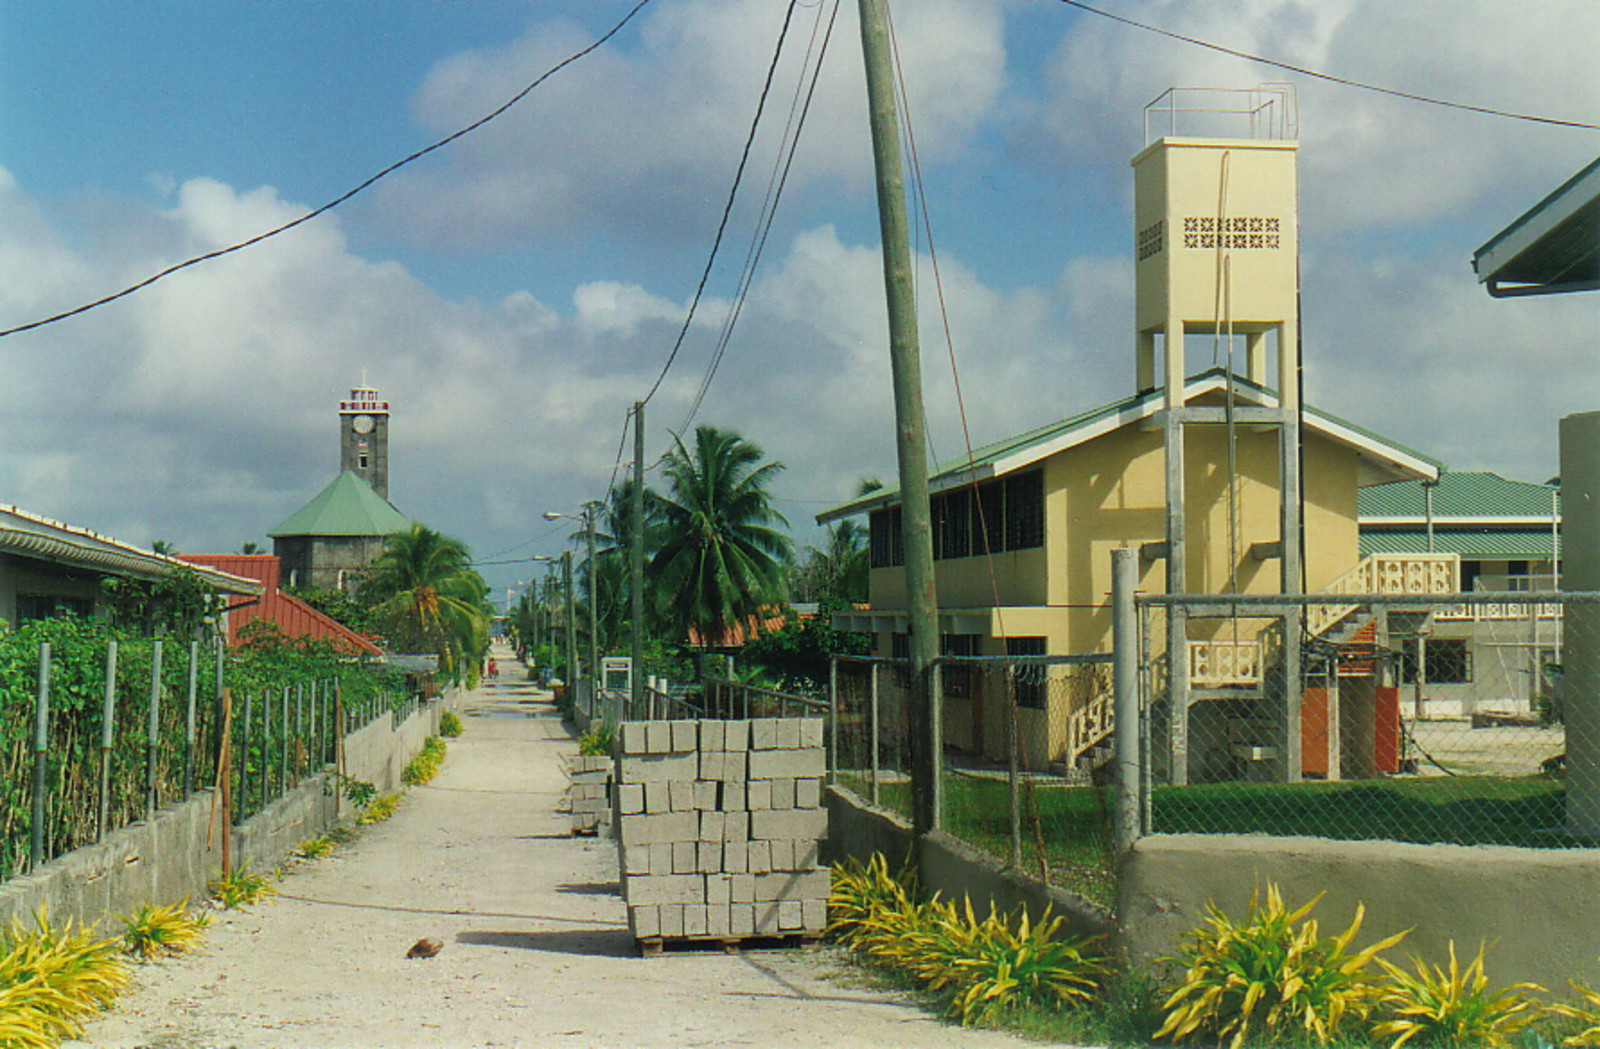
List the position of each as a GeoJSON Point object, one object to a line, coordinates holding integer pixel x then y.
{"type": "Point", "coordinates": [1416, 719]}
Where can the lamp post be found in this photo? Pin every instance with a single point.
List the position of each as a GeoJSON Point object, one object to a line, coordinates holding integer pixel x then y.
{"type": "Point", "coordinates": [591, 510]}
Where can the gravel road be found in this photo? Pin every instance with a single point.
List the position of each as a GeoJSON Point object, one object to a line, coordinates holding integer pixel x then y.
{"type": "Point", "coordinates": [536, 949]}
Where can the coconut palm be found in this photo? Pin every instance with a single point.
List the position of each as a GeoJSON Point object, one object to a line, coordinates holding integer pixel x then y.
{"type": "Point", "coordinates": [720, 561]}
{"type": "Point", "coordinates": [429, 598]}
{"type": "Point", "coordinates": [836, 572]}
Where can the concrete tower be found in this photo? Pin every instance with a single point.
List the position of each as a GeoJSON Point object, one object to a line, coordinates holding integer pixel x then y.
{"type": "Point", "coordinates": [364, 438]}
{"type": "Point", "coordinates": [1216, 252]}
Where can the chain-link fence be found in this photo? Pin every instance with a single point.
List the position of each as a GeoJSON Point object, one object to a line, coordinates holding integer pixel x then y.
{"type": "Point", "coordinates": [716, 698]}
{"type": "Point", "coordinates": [1392, 717]}
{"type": "Point", "coordinates": [1026, 756]}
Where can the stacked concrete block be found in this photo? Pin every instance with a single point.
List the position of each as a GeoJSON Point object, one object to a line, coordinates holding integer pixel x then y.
{"type": "Point", "coordinates": [719, 823]}
{"type": "Point", "coordinates": [589, 792]}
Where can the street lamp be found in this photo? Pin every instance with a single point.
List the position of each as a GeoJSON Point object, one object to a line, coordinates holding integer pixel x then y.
{"type": "Point", "coordinates": [590, 510]}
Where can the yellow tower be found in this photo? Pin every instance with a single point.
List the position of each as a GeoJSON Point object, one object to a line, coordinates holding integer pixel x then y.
{"type": "Point", "coordinates": [1217, 254]}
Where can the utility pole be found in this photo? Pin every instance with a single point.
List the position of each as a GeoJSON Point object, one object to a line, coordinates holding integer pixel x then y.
{"type": "Point", "coordinates": [590, 511]}
{"type": "Point", "coordinates": [569, 679]}
{"type": "Point", "coordinates": [636, 564]}
{"type": "Point", "coordinates": [922, 610]}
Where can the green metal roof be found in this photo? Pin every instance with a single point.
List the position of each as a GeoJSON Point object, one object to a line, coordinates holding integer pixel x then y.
{"type": "Point", "coordinates": [1520, 544]}
{"type": "Point", "coordinates": [348, 506]}
{"type": "Point", "coordinates": [1469, 495]}
{"type": "Point", "coordinates": [988, 456]}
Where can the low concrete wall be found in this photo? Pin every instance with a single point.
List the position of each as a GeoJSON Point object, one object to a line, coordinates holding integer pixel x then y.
{"type": "Point", "coordinates": [175, 855]}
{"type": "Point", "coordinates": [1539, 910]}
{"type": "Point", "coordinates": [857, 829]}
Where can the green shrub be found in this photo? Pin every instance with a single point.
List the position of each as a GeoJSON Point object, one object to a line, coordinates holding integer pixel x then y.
{"type": "Point", "coordinates": [449, 724]}
{"type": "Point", "coordinates": [241, 888]}
{"type": "Point", "coordinates": [424, 765]}
{"type": "Point", "coordinates": [599, 741]}
{"type": "Point", "coordinates": [152, 931]}
{"type": "Point", "coordinates": [315, 848]}
{"type": "Point", "coordinates": [1267, 980]}
{"type": "Point", "coordinates": [52, 979]}
{"type": "Point", "coordinates": [1453, 1008]}
{"type": "Point", "coordinates": [1586, 1014]}
{"type": "Point", "coordinates": [382, 808]}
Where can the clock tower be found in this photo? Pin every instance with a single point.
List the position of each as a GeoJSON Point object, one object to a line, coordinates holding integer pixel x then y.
{"type": "Point", "coordinates": [364, 438]}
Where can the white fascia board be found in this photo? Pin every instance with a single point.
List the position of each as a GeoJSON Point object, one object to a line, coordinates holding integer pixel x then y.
{"type": "Point", "coordinates": [1076, 436]}
{"type": "Point", "coordinates": [1440, 520]}
{"type": "Point", "coordinates": [1537, 222]}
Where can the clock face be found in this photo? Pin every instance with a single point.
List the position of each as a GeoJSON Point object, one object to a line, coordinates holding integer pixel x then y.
{"type": "Point", "coordinates": [362, 423]}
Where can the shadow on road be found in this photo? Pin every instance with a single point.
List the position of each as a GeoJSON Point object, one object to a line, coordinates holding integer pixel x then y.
{"type": "Point", "coordinates": [608, 943]}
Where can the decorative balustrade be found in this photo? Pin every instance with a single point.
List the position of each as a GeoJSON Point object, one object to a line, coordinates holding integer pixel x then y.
{"type": "Point", "coordinates": [1087, 726]}
{"type": "Point", "coordinates": [1386, 574]}
{"type": "Point", "coordinates": [1225, 662]}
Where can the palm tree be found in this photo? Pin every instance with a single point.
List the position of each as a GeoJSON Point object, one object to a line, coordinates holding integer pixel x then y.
{"type": "Point", "coordinates": [719, 559]}
{"type": "Point", "coordinates": [610, 575]}
{"type": "Point", "coordinates": [429, 598]}
{"type": "Point", "coordinates": [835, 573]}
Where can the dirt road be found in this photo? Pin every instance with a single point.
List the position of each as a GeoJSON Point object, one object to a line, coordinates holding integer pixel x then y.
{"type": "Point", "coordinates": [536, 951]}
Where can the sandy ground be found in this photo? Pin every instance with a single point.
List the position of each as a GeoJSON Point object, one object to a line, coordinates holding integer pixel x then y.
{"type": "Point", "coordinates": [536, 949]}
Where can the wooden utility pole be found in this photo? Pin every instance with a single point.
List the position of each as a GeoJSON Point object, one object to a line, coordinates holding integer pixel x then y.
{"type": "Point", "coordinates": [590, 511]}
{"type": "Point", "coordinates": [922, 610]}
{"type": "Point", "coordinates": [636, 565]}
{"type": "Point", "coordinates": [570, 678]}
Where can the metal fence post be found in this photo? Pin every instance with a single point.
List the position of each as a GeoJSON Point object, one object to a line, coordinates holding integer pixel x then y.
{"type": "Point", "coordinates": [244, 755]}
{"type": "Point", "coordinates": [299, 727]}
{"type": "Point", "coordinates": [934, 741]}
{"type": "Point", "coordinates": [1125, 697]}
{"type": "Point", "coordinates": [152, 738]}
{"type": "Point", "coordinates": [1013, 766]}
{"type": "Point", "coordinates": [108, 725]}
{"type": "Point", "coordinates": [189, 719]}
{"type": "Point", "coordinates": [283, 744]}
{"type": "Point", "coordinates": [833, 718]}
{"type": "Point", "coordinates": [41, 743]}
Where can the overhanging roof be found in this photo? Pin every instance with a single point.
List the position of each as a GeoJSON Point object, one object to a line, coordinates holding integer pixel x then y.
{"type": "Point", "coordinates": [1382, 461]}
{"type": "Point", "coordinates": [1553, 247]}
{"type": "Point", "coordinates": [348, 506]}
{"type": "Point", "coordinates": [41, 539]}
{"type": "Point", "coordinates": [1478, 497]}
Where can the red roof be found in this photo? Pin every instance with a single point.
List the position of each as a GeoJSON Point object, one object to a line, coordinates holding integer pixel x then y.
{"type": "Point", "coordinates": [292, 615]}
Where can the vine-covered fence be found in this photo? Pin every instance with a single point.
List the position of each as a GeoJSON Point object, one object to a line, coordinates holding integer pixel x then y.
{"type": "Point", "coordinates": [100, 728]}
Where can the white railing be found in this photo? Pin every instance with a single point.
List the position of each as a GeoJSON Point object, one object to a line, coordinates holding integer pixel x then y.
{"type": "Point", "coordinates": [1225, 662]}
{"type": "Point", "coordinates": [1387, 574]}
{"type": "Point", "coordinates": [1088, 726]}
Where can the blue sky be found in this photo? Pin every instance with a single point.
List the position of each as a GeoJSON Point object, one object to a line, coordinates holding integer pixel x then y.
{"type": "Point", "coordinates": [513, 293]}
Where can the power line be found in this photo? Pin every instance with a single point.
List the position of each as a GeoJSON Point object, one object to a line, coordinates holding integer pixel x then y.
{"type": "Point", "coordinates": [1486, 110]}
{"type": "Point", "coordinates": [727, 207]}
{"type": "Point", "coordinates": [342, 198]}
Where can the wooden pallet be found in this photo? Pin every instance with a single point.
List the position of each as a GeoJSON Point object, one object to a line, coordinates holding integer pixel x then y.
{"type": "Point", "coordinates": [655, 946]}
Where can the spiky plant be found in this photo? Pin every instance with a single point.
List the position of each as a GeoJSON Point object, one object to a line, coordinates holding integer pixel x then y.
{"type": "Point", "coordinates": [1452, 1008]}
{"type": "Point", "coordinates": [152, 931]}
{"type": "Point", "coordinates": [241, 888]}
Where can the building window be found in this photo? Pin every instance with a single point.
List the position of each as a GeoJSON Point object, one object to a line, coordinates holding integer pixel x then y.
{"type": "Point", "coordinates": [43, 606]}
{"type": "Point", "coordinates": [1449, 662]}
{"type": "Point", "coordinates": [1025, 511]}
{"type": "Point", "coordinates": [886, 538]}
{"type": "Point", "coordinates": [1003, 514]}
{"type": "Point", "coordinates": [1028, 679]}
{"type": "Point", "coordinates": [952, 524]}
{"type": "Point", "coordinates": [899, 646]}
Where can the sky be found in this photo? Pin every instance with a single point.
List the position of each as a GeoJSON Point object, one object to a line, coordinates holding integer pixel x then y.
{"type": "Point", "coordinates": [512, 293]}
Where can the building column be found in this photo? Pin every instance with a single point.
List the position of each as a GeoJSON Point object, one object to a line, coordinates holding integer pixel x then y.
{"type": "Point", "coordinates": [1580, 645]}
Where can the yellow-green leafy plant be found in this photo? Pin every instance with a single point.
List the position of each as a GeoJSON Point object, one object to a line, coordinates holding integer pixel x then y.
{"type": "Point", "coordinates": [858, 889]}
{"type": "Point", "coordinates": [1452, 1008]}
{"type": "Point", "coordinates": [315, 848]}
{"type": "Point", "coordinates": [241, 888]}
{"type": "Point", "coordinates": [1586, 1013]}
{"type": "Point", "coordinates": [152, 931]}
{"type": "Point", "coordinates": [382, 808]}
{"type": "Point", "coordinates": [424, 765]}
{"type": "Point", "coordinates": [1271, 977]}
{"type": "Point", "coordinates": [52, 979]}
{"type": "Point", "coordinates": [449, 724]}
{"type": "Point", "coordinates": [599, 740]}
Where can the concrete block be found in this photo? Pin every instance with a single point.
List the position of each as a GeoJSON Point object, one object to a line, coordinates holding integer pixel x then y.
{"type": "Point", "coordinates": [785, 764]}
{"type": "Point", "coordinates": [634, 861]}
{"type": "Point", "coordinates": [685, 857]}
{"type": "Point", "coordinates": [694, 919]}
{"type": "Point", "coordinates": [790, 824]}
{"type": "Point", "coordinates": [814, 915]}
{"type": "Point", "coordinates": [632, 736]}
{"type": "Point", "coordinates": [705, 795]}
{"type": "Point", "coordinates": [736, 737]}
{"type": "Point", "coordinates": [709, 855]}
{"type": "Point", "coordinates": [649, 830]}
{"type": "Point", "coordinates": [685, 736]}
{"type": "Point", "coordinates": [718, 920]}
{"type": "Point", "coordinates": [741, 888]}
{"type": "Point", "coordinates": [807, 855]}
{"type": "Point", "coordinates": [788, 734]}
{"type": "Point", "coordinates": [767, 918]}
{"type": "Point", "coordinates": [657, 796]}
{"type": "Point", "coordinates": [719, 890]}
{"type": "Point", "coordinates": [658, 737]}
{"type": "Point", "coordinates": [715, 766]}
{"type": "Point", "coordinates": [741, 919]}
{"type": "Point", "coordinates": [712, 735]}
{"type": "Point", "coordinates": [736, 857]}
{"type": "Point", "coordinates": [681, 792]}
{"type": "Point", "coordinates": [644, 921]}
{"type": "Point", "coordinates": [807, 793]}
{"type": "Point", "coordinates": [782, 793]}
{"type": "Point", "coordinates": [659, 768]}
{"type": "Point", "coordinates": [811, 732]}
{"type": "Point", "coordinates": [672, 919]}
{"type": "Point", "coordinates": [763, 734]}
{"type": "Point", "coordinates": [734, 796]}
{"type": "Point", "coordinates": [711, 826]}
{"type": "Point", "coordinates": [791, 915]}
{"type": "Point", "coordinates": [660, 858]}
{"type": "Point", "coordinates": [667, 888]}
{"type": "Point", "coordinates": [782, 853]}
{"type": "Point", "coordinates": [760, 857]}
{"type": "Point", "coordinates": [760, 794]}
{"type": "Point", "coordinates": [735, 826]}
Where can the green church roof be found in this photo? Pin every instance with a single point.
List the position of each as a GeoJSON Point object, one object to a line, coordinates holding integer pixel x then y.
{"type": "Point", "coordinates": [348, 506]}
{"type": "Point", "coordinates": [1468, 494]}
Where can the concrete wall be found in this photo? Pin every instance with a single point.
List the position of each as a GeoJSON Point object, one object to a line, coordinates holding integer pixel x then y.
{"type": "Point", "coordinates": [856, 830]}
{"type": "Point", "coordinates": [176, 854]}
{"type": "Point", "coordinates": [1539, 910]}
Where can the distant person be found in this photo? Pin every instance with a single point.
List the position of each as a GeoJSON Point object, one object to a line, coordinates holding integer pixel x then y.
{"type": "Point", "coordinates": [494, 669]}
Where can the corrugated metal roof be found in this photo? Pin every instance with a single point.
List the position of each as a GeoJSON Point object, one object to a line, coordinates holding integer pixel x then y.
{"type": "Point", "coordinates": [40, 538]}
{"type": "Point", "coordinates": [1528, 544]}
{"type": "Point", "coordinates": [292, 615]}
{"type": "Point", "coordinates": [1012, 453]}
{"type": "Point", "coordinates": [348, 506]}
{"type": "Point", "coordinates": [1468, 495]}
{"type": "Point", "coordinates": [1552, 247]}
